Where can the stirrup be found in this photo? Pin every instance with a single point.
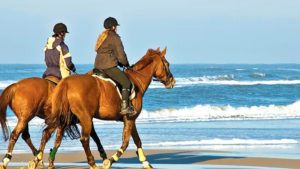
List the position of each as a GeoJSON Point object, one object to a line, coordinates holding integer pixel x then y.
{"type": "Point", "coordinates": [128, 110]}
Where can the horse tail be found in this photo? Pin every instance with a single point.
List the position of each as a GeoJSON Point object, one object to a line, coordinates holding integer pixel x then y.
{"type": "Point", "coordinates": [5, 100]}
{"type": "Point", "coordinates": [61, 114]}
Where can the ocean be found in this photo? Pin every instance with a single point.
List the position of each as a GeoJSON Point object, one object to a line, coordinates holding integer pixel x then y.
{"type": "Point", "coordinates": [217, 107]}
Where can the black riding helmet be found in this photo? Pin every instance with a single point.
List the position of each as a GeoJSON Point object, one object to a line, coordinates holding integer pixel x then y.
{"type": "Point", "coordinates": [60, 28]}
{"type": "Point", "coordinates": [110, 22]}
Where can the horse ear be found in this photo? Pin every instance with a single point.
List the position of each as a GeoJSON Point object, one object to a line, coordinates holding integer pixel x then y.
{"type": "Point", "coordinates": [158, 49]}
{"type": "Point", "coordinates": [163, 52]}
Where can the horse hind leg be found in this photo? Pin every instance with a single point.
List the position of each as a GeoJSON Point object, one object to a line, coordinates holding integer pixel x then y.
{"type": "Point", "coordinates": [58, 140]}
{"type": "Point", "coordinates": [32, 164]}
{"type": "Point", "coordinates": [27, 139]}
{"type": "Point", "coordinates": [86, 127]}
{"type": "Point", "coordinates": [96, 139]}
{"type": "Point", "coordinates": [12, 141]}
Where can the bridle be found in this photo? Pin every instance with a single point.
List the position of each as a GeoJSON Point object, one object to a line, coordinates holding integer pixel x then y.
{"type": "Point", "coordinates": [169, 77]}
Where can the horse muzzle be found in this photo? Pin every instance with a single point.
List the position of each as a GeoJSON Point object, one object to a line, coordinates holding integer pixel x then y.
{"type": "Point", "coordinates": [171, 83]}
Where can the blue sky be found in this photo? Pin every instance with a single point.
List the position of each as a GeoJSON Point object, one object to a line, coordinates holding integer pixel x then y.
{"type": "Point", "coordinates": [194, 31]}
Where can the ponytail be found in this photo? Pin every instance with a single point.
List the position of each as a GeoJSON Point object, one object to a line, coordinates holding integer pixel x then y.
{"type": "Point", "coordinates": [101, 39]}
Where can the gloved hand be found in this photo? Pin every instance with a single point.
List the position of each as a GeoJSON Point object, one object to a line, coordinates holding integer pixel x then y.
{"type": "Point", "coordinates": [74, 69]}
{"type": "Point", "coordinates": [120, 64]}
{"type": "Point", "coordinates": [129, 66]}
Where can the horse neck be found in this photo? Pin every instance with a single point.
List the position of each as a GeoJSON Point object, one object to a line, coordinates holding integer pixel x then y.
{"type": "Point", "coordinates": [143, 77]}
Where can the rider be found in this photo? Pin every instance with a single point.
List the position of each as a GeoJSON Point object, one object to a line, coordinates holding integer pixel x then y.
{"type": "Point", "coordinates": [57, 57]}
{"type": "Point", "coordinates": [110, 54]}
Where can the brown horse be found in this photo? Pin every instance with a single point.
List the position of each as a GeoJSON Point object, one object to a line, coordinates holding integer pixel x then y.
{"type": "Point", "coordinates": [27, 99]}
{"type": "Point", "coordinates": [88, 97]}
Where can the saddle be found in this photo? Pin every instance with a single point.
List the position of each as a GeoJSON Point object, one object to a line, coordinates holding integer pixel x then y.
{"type": "Point", "coordinates": [101, 75]}
{"type": "Point", "coordinates": [52, 79]}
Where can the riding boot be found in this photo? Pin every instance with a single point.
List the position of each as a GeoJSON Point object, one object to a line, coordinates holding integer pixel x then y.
{"type": "Point", "coordinates": [126, 107]}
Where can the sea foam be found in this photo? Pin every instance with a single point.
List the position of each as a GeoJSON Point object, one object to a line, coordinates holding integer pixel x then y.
{"type": "Point", "coordinates": [5, 83]}
{"type": "Point", "coordinates": [230, 144]}
{"type": "Point", "coordinates": [209, 113]}
{"type": "Point", "coordinates": [234, 141]}
{"type": "Point", "coordinates": [204, 113]}
{"type": "Point", "coordinates": [192, 81]}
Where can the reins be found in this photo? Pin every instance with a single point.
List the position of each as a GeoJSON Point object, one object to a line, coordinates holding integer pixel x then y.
{"type": "Point", "coordinates": [138, 80]}
{"type": "Point", "coordinates": [130, 68]}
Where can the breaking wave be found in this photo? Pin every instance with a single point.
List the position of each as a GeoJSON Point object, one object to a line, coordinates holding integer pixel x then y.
{"type": "Point", "coordinates": [258, 75]}
{"type": "Point", "coordinates": [222, 144]}
{"type": "Point", "coordinates": [211, 113]}
{"type": "Point", "coordinates": [190, 81]}
{"type": "Point", "coordinates": [4, 84]}
{"type": "Point", "coordinates": [234, 141]}
{"type": "Point", "coordinates": [205, 113]}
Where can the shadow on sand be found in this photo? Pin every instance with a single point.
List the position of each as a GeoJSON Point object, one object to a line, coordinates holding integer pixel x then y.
{"type": "Point", "coordinates": [174, 158]}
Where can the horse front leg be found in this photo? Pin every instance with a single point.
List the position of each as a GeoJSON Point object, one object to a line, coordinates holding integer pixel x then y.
{"type": "Point", "coordinates": [140, 152]}
{"type": "Point", "coordinates": [38, 160]}
{"type": "Point", "coordinates": [86, 128]}
{"type": "Point", "coordinates": [98, 142]}
{"type": "Point", "coordinates": [128, 124]}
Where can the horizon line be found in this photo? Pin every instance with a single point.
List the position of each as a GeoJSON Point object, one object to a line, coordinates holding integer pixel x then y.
{"type": "Point", "coordinates": [172, 64]}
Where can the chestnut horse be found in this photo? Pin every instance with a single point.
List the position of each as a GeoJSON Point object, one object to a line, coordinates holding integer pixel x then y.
{"type": "Point", "coordinates": [89, 97]}
{"type": "Point", "coordinates": [27, 99]}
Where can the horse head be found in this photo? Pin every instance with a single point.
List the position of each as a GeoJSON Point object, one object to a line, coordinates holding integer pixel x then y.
{"type": "Point", "coordinates": [162, 71]}
{"type": "Point", "coordinates": [154, 64]}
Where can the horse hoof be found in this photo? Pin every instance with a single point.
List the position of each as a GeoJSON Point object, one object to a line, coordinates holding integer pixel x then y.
{"type": "Point", "coordinates": [51, 167]}
{"type": "Point", "coordinates": [31, 164]}
{"type": "Point", "coordinates": [40, 164]}
{"type": "Point", "coordinates": [147, 165]}
{"type": "Point", "coordinates": [94, 167]}
{"type": "Point", "coordinates": [106, 164]}
{"type": "Point", "coordinates": [103, 156]}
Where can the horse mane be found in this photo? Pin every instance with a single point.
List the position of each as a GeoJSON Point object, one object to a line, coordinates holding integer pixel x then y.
{"type": "Point", "coordinates": [146, 59]}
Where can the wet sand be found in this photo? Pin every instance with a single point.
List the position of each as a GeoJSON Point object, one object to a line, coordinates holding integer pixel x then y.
{"type": "Point", "coordinates": [162, 158]}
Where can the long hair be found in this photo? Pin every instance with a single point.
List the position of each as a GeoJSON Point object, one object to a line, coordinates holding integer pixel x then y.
{"type": "Point", "coordinates": [101, 39]}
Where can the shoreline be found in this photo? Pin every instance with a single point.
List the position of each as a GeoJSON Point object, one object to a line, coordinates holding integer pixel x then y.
{"type": "Point", "coordinates": [164, 158]}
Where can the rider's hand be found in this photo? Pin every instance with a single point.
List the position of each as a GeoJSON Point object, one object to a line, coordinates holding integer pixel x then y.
{"type": "Point", "coordinates": [74, 69]}
{"type": "Point", "coordinates": [120, 64]}
{"type": "Point", "coordinates": [130, 66]}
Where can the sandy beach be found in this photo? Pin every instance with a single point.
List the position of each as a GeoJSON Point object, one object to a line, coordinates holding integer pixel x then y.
{"type": "Point", "coordinates": [162, 158]}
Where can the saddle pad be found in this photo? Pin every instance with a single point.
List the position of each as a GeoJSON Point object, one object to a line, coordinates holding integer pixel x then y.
{"type": "Point", "coordinates": [132, 91]}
